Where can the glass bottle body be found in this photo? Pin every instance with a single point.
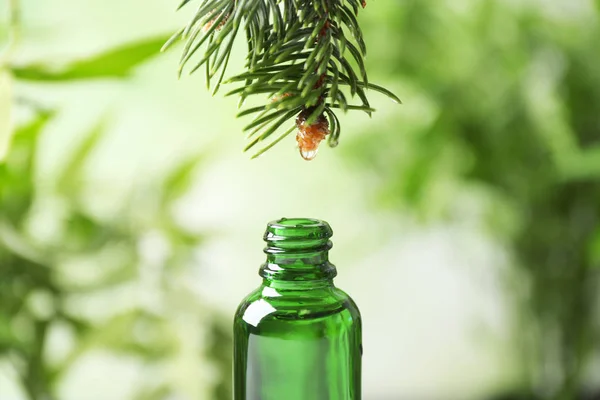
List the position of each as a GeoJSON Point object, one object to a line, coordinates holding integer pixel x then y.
{"type": "Point", "coordinates": [297, 337]}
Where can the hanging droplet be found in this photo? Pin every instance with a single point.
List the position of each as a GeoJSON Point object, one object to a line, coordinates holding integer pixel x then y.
{"type": "Point", "coordinates": [310, 136]}
{"type": "Point", "coordinates": [308, 154]}
{"type": "Point", "coordinates": [333, 141]}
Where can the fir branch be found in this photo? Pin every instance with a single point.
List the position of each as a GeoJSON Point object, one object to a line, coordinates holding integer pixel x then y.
{"type": "Point", "coordinates": [301, 53]}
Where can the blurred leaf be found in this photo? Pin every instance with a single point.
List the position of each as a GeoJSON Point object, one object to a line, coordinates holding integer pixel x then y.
{"type": "Point", "coordinates": [158, 393]}
{"type": "Point", "coordinates": [594, 250]}
{"type": "Point", "coordinates": [8, 340]}
{"type": "Point", "coordinates": [83, 233]}
{"type": "Point", "coordinates": [69, 181]}
{"type": "Point", "coordinates": [179, 180]}
{"type": "Point", "coordinates": [183, 238]}
{"type": "Point", "coordinates": [79, 325]}
{"type": "Point", "coordinates": [119, 271]}
{"type": "Point", "coordinates": [17, 172]}
{"type": "Point", "coordinates": [6, 126]}
{"type": "Point", "coordinates": [584, 165]}
{"type": "Point", "coordinates": [219, 345]}
{"type": "Point", "coordinates": [114, 63]}
{"type": "Point", "coordinates": [135, 332]}
{"type": "Point", "coordinates": [114, 278]}
{"type": "Point", "coordinates": [13, 241]}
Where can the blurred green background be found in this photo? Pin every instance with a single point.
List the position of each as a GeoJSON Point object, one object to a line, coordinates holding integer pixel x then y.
{"type": "Point", "coordinates": [467, 221]}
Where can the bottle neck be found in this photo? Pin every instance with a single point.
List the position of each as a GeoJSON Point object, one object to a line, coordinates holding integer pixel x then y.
{"type": "Point", "coordinates": [298, 251]}
{"type": "Point", "coordinates": [313, 266]}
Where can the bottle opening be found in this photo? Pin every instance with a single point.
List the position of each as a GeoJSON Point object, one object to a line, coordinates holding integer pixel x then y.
{"type": "Point", "coordinates": [297, 234]}
{"type": "Point", "coordinates": [295, 222]}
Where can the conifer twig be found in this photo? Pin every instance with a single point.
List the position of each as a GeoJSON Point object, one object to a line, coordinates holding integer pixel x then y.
{"type": "Point", "coordinates": [305, 56]}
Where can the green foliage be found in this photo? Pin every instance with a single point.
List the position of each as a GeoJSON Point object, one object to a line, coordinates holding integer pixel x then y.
{"type": "Point", "coordinates": [17, 186]}
{"type": "Point", "coordinates": [71, 177]}
{"type": "Point", "coordinates": [35, 288]}
{"type": "Point", "coordinates": [220, 345]}
{"type": "Point", "coordinates": [509, 102]}
{"type": "Point", "coordinates": [43, 280]}
{"type": "Point", "coordinates": [180, 180]}
{"type": "Point", "coordinates": [114, 63]}
{"type": "Point", "coordinates": [5, 112]}
{"type": "Point", "coordinates": [301, 53]}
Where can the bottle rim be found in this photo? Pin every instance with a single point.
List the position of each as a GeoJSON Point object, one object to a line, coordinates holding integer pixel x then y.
{"type": "Point", "coordinates": [297, 229]}
{"type": "Point", "coordinates": [298, 234]}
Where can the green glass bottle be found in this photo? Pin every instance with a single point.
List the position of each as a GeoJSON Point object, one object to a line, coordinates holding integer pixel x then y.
{"type": "Point", "coordinates": [297, 337]}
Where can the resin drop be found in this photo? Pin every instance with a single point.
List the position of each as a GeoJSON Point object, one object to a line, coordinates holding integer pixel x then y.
{"type": "Point", "coordinates": [309, 136]}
